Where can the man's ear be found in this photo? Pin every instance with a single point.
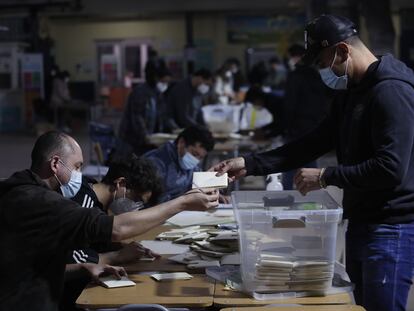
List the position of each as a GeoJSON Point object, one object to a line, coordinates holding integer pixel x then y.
{"type": "Point", "coordinates": [343, 50]}
{"type": "Point", "coordinates": [54, 164]}
{"type": "Point", "coordinates": [181, 146]}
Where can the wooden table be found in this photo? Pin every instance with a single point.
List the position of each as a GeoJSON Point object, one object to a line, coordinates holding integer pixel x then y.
{"type": "Point", "coordinates": [299, 308]}
{"type": "Point", "coordinates": [197, 292]}
{"type": "Point", "coordinates": [225, 298]}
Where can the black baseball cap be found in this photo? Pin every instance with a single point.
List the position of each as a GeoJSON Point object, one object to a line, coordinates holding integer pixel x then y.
{"type": "Point", "coordinates": [325, 31]}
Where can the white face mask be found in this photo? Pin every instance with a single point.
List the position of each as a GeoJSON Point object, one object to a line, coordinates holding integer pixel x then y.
{"type": "Point", "coordinates": [203, 88]}
{"type": "Point", "coordinates": [332, 80]}
{"type": "Point", "coordinates": [228, 74]}
{"type": "Point", "coordinates": [188, 161]}
{"type": "Point", "coordinates": [70, 189]}
{"type": "Point", "coordinates": [162, 86]}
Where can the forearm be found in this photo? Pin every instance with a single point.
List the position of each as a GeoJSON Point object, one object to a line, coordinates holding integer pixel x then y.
{"type": "Point", "coordinates": [292, 155]}
{"type": "Point", "coordinates": [75, 270]}
{"type": "Point", "coordinates": [132, 224]}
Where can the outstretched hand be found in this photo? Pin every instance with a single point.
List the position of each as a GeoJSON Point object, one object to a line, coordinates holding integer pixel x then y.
{"type": "Point", "coordinates": [235, 168]}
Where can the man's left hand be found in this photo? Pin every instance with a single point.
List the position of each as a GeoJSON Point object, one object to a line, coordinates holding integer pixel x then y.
{"type": "Point", "coordinates": [307, 179]}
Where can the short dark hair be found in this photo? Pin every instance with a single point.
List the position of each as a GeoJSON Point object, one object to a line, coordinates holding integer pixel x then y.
{"type": "Point", "coordinates": [139, 173]}
{"type": "Point", "coordinates": [197, 134]}
{"type": "Point", "coordinates": [274, 60]}
{"type": "Point", "coordinates": [204, 73]}
{"type": "Point", "coordinates": [255, 93]}
{"type": "Point", "coordinates": [49, 144]}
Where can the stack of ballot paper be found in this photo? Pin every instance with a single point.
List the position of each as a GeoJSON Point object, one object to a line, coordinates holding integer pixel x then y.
{"type": "Point", "coordinates": [281, 272]}
{"type": "Point", "coordinates": [208, 246]}
{"type": "Point", "coordinates": [209, 180]}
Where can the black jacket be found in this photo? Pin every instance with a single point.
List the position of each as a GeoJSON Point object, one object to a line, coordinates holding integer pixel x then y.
{"type": "Point", "coordinates": [371, 129]}
{"type": "Point", "coordinates": [143, 115]}
{"type": "Point", "coordinates": [184, 106]}
{"type": "Point", "coordinates": [38, 227]}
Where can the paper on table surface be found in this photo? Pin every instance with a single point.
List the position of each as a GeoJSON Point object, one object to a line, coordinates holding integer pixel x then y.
{"type": "Point", "coordinates": [111, 282]}
{"type": "Point", "coordinates": [189, 218]}
{"type": "Point", "coordinates": [209, 180]}
{"type": "Point", "coordinates": [165, 247]}
{"type": "Point", "coordinates": [172, 276]}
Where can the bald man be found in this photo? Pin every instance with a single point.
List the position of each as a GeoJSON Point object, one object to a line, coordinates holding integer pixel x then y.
{"type": "Point", "coordinates": [38, 226]}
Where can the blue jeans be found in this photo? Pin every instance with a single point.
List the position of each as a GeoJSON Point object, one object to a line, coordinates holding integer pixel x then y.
{"type": "Point", "coordinates": [380, 261]}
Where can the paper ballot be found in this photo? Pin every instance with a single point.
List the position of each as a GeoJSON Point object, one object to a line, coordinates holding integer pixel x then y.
{"type": "Point", "coordinates": [172, 276]}
{"type": "Point", "coordinates": [209, 180]}
{"type": "Point", "coordinates": [111, 282]}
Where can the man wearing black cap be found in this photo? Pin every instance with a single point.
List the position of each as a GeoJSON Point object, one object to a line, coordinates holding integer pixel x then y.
{"type": "Point", "coordinates": [371, 128]}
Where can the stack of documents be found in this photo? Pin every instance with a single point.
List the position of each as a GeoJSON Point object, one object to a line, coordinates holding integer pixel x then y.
{"type": "Point", "coordinates": [281, 272]}
{"type": "Point", "coordinates": [209, 247]}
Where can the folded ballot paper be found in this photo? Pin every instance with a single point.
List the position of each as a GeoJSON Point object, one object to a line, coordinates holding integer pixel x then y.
{"type": "Point", "coordinates": [171, 276]}
{"type": "Point", "coordinates": [209, 180]}
{"type": "Point", "coordinates": [111, 282]}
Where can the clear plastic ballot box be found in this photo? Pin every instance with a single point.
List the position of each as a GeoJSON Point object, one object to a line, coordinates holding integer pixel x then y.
{"type": "Point", "coordinates": [287, 240]}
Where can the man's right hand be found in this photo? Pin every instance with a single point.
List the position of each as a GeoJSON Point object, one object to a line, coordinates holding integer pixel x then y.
{"type": "Point", "coordinates": [235, 168]}
{"type": "Point", "coordinates": [195, 200]}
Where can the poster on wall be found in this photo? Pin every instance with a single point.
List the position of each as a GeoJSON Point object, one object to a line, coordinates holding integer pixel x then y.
{"type": "Point", "coordinates": [109, 68]}
{"type": "Point", "coordinates": [254, 29]}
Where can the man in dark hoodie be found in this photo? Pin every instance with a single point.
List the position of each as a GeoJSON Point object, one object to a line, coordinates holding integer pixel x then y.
{"type": "Point", "coordinates": [371, 128]}
{"type": "Point", "coordinates": [145, 112]}
{"type": "Point", "coordinates": [39, 225]}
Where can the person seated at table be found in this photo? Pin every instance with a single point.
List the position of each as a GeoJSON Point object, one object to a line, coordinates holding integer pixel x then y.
{"type": "Point", "coordinates": [144, 113]}
{"type": "Point", "coordinates": [177, 161]}
{"type": "Point", "coordinates": [262, 114]}
{"type": "Point", "coordinates": [39, 225]}
{"type": "Point", "coordinates": [128, 186]}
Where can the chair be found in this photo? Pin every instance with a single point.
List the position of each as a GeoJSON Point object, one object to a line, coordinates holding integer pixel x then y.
{"type": "Point", "coordinates": [143, 307]}
{"type": "Point", "coordinates": [104, 135]}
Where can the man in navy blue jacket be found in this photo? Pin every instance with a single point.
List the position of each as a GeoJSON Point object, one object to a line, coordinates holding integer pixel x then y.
{"type": "Point", "coordinates": [371, 129]}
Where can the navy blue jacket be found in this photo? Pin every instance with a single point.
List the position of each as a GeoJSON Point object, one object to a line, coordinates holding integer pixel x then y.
{"type": "Point", "coordinates": [143, 115]}
{"type": "Point", "coordinates": [177, 180]}
{"type": "Point", "coordinates": [371, 127]}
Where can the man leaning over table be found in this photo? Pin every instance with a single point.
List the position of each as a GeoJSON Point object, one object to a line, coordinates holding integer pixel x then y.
{"type": "Point", "coordinates": [371, 128]}
{"type": "Point", "coordinates": [39, 226]}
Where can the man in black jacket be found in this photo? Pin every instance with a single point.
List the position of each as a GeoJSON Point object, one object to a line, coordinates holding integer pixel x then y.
{"type": "Point", "coordinates": [371, 128]}
{"type": "Point", "coordinates": [145, 111]}
{"type": "Point", "coordinates": [39, 225]}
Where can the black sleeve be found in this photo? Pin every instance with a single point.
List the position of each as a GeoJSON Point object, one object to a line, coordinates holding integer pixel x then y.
{"type": "Point", "coordinates": [392, 135]}
{"type": "Point", "coordinates": [294, 154]}
{"type": "Point", "coordinates": [78, 227]}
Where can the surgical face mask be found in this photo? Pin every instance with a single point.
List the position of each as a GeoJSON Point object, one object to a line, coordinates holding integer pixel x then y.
{"type": "Point", "coordinates": [203, 88]}
{"type": "Point", "coordinates": [188, 161]}
{"type": "Point", "coordinates": [228, 74]}
{"type": "Point", "coordinates": [162, 86]}
{"type": "Point", "coordinates": [292, 64]}
{"type": "Point", "coordinates": [125, 205]}
{"type": "Point", "coordinates": [70, 189]}
{"type": "Point", "coordinates": [329, 77]}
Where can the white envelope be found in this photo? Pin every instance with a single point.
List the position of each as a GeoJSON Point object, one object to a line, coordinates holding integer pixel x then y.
{"type": "Point", "coordinates": [111, 282]}
{"type": "Point", "coordinates": [209, 180]}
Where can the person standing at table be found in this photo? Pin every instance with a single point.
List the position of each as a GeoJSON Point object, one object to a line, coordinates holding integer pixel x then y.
{"type": "Point", "coordinates": [371, 128]}
{"type": "Point", "coordinates": [185, 100]}
{"type": "Point", "coordinates": [144, 113]}
{"type": "Point", "coordinates": [39, 225]}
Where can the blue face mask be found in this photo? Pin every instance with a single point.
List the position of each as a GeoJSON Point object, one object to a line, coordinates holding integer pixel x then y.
{"type": "Point", "coordinates": [188, 161]}
{"type": "Point", "coordinates": [332, 80]}
{"type": "Point", "coordinates": [70, 189]}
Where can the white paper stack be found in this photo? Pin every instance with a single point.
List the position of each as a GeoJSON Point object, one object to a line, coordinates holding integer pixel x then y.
{"type": "Point", "coordinates": [283, 272]}
{"type": "Point", "coordinates": [209, 180]}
